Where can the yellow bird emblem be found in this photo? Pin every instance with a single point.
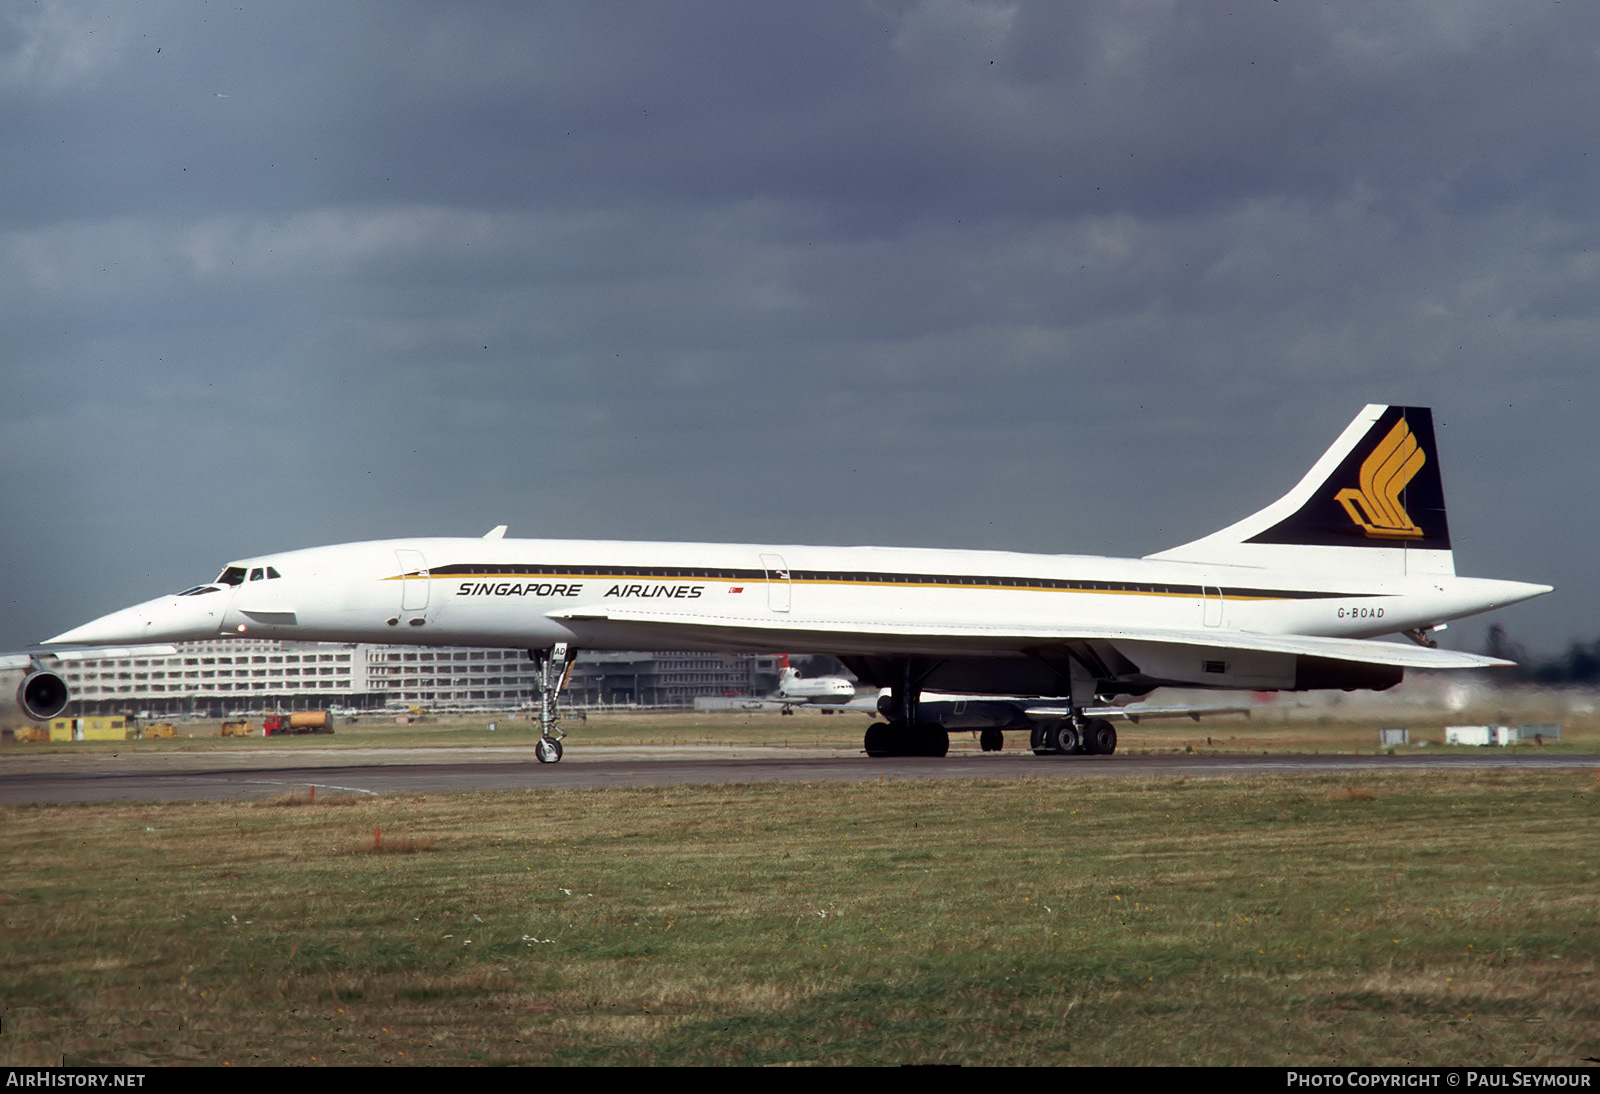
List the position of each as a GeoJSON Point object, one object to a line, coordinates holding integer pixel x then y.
{"type": "Point", "coordinates": [1375, 505]}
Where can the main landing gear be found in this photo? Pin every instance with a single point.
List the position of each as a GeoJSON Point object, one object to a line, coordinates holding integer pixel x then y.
{"type": "Point", "coordinates": [897, 739]}
{"type": "Point", "coordinates": [1086, 737]}
{"type": "Point", "coordinates": [917, 728]}
{"type": "Point", "coordinates": [905, 735]}
{"type": "Point", "coordinates": [554, 667]}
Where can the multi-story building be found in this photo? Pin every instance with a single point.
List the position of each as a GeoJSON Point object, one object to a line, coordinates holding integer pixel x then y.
{"type": "Point", "coordinates": [667, 679]}
{"type": "Point", "coordinates": [222, 676]}
{"type": "Point", "coordinates": [230, 675]}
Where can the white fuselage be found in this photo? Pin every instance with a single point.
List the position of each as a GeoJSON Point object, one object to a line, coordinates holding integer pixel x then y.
{"type": "Point", "coordinates": [864, 600]}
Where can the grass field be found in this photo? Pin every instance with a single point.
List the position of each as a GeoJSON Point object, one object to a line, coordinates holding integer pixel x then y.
{"type": "Point", "coordinates": [1423, 918]}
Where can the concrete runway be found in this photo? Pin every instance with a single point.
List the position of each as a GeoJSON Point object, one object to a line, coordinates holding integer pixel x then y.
{"type": "Point", "coordinates": [202, 776]}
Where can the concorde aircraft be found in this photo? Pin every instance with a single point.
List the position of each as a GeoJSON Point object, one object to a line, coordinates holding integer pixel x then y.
{"type": "Point", "coordinates": [1290, 598]}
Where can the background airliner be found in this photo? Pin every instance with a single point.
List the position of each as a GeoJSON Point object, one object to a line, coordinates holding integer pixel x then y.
{"type": "Point", "coordinates": [824, 690]}
{"type": "Point", "coordinates": [1289, 598]}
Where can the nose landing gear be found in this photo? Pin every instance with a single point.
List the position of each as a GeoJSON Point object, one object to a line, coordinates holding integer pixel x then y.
{"type": "Point", "coordinates": [555, 667]}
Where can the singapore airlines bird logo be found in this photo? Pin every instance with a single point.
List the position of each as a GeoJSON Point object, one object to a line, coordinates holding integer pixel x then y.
{"type": "Point", "coordinates": [1375, 505]}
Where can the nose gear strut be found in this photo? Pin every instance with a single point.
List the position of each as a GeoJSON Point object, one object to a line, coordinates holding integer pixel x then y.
{"type": "Point", "coordinates": [554, 668]}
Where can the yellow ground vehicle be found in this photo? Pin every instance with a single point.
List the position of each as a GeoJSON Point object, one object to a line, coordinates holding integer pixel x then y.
{"type": "Point", "coordinates": [99, 727]}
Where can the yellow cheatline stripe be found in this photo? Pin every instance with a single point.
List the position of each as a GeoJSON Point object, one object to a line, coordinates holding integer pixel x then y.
{"type": "Point", "coordinates": [987, 587]}
{"type": "Point", "coordinates": [538, 577]}
{"type": "Point", "coordinates": [1037, 589]}
{"type": "Point", "coordinates": [485, 578]}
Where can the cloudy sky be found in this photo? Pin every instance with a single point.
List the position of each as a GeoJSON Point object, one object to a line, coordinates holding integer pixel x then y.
{"type": "Point", "coordinates": [1088, 277]}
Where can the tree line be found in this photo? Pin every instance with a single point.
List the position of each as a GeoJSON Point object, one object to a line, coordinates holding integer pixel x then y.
{"type": "Point", "coordinates": [1580, 664]}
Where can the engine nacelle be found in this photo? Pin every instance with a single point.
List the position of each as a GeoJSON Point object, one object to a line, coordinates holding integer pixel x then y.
{"type": "Point", "coordinates": [965, 714]}
{"type": "Point", "coordinates": [31, 693]}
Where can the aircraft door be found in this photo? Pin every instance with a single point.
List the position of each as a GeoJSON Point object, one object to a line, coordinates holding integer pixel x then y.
{"type": "Point", "coordinates": [1212, 610]}
{"type": "Point", "coordinates": [413, 581]}
{"type": "Point", "coordinates": [777, 582]}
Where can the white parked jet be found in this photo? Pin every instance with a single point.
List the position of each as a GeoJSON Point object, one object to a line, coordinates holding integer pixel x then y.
{"type": "Point", "coordinates": [822, 690]}
{"type": "Point", "coordinates": [1290, 598]}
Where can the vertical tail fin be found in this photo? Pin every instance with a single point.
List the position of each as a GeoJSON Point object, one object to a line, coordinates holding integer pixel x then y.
{"type": "Point", "coordinates": [1373, 504]}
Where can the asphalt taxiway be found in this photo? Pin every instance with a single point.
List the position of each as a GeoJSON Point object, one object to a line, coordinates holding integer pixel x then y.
{"type": "Point", "coordinates": [200, 776]}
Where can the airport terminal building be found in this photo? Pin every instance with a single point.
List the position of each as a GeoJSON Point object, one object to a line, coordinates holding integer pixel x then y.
{"type": "Point", "coordinates": [234, 675]}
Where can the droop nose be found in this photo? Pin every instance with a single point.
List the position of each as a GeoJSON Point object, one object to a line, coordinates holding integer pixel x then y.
{"type": "Point", "coordinates": [165, 619]}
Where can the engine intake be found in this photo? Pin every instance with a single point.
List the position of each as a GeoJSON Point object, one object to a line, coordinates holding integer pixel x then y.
{"type": "Point", "coordinates": [39, 693]}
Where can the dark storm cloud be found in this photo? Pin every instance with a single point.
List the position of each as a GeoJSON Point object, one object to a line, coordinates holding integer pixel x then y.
{"type": "Point", "coordinates": [1092, 277]}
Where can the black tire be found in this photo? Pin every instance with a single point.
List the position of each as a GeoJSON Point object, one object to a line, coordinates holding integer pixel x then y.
{"type": "Point", "coordinates": [547, 751]}
{"type": "Point", "coordinates": [1065, 738]}
{"type": "Point", "coordinates": [991, 740]}
{"type": "Point", "coordinates": [898, 740]}
{"type": "Point", "coordinates": [1100, 738]}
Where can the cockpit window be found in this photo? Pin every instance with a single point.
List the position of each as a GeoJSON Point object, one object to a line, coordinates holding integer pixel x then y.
{"type": "Point", "coordinates": [258, 574]}
{"type": "Point", "coordinates": [233, 575]}
{"type": "Point", "coordinates": [271, 573]}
